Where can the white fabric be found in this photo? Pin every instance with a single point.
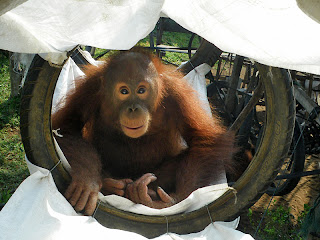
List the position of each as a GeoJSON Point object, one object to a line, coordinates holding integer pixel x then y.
{"type": "Point", "coordinates": [22, 59]}
{"type": "Point", "coordinates": [199, 198]}
{"type": "Point", "coordinates": [268, 31]}
{"type": "Point", "coordinates": [69, 71]}
{"type": "Point", "coordinates": [66, 81]}
{"type": "Point", "coordinates": [197, 79]}
{"type": "Point", "coordinates": [38, 211]}
{"type": "Point", "coordinates": [273, 32]}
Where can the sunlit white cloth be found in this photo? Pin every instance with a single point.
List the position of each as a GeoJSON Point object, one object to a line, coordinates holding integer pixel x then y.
{"type": "Point", "coordinates": [273, 32]}
{"type": "Point", "coordinates": [37, 211]}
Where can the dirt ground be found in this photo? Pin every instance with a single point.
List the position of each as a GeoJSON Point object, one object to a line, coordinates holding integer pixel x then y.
{"type": "Point", "coordinates": [305, 192]}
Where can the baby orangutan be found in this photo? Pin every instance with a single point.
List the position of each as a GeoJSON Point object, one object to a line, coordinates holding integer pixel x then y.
{"type": "Point", "coordinates": [135, 128]}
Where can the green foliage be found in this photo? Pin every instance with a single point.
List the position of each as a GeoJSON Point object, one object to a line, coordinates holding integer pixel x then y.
{"type": "Point", "coordinates": [4, 77]}
{"type": "Point", "coordinates": [168, 39]}
{"type": "Point", "coordinates": [178, 40]}
{"type": "Point", "coordinates": [101, 54]}
{"type": "Point", "coordinates": [278, 223]}
{"type": "Point", "coordinates": [173, 40]}
{"type": "Point", "coordinates": [301, 217]}
{"type": "Point", "coordinates": [13, 168]}
{"type": "Point", "coordinates": [4, 196]}
{"type": "Point", "coordinates": [9, 112]}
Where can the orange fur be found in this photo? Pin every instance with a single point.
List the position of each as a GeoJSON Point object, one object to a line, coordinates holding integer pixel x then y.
{"type": "Point", "coordinates": [90, 116]}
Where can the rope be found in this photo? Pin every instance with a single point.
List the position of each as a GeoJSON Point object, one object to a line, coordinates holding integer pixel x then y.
{"type": "Point", "coordinates": [235, 194]}
{"type": "Point", "coordinates": [168, 233]}
{"type": "Point", "coordinates": [167, 224]}
{"type": "Point", "coordinates": [95, 211]}
{"type": "Point", "coordinates": [50, 171]}
{"type": "Point", "coordinates": [68, 54]}
{"type": "Point", "coordinates": [56, 133]}
{"type": "Point", "coordinates": [60, 161]}
{"type": "Point", "coordinates": [235, 201]}
{"type": "Point", "coordinates": [193, 66]}
{"type": "Point", "coordinates": [209, 214]}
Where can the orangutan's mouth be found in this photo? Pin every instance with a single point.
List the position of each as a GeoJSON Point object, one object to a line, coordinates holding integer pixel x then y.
{"type": "Point", "coordinates": [133, 128]}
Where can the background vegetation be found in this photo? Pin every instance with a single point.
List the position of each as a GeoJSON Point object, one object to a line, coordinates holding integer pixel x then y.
{"type": "Point", "coordinates": [13, 169]}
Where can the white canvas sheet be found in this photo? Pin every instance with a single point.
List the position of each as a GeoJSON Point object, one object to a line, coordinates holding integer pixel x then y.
{"type": "Point", "coordinates": [37, 211]}
{"type": "Point", "coordinates": [273, 32]}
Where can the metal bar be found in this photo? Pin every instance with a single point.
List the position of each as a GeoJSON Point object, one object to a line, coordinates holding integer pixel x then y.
{"type": "Point", "coordinates": [231, 96]}
{"type": "Point", "coordinates": [298, 174]}
{"type": "Point", "coordinates": [306, 102]}
{"type": "Point", "coordinates": [248, 108]}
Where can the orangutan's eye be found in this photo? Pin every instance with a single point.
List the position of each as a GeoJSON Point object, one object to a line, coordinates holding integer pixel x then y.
{"type": "Point", "coordinates": [141, 90]}
{"type": "Point", "coordinates": [124, 91]}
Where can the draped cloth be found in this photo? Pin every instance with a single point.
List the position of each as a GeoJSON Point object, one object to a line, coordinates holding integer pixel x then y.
{"type": "Point", "coordinates": [278, 33]}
